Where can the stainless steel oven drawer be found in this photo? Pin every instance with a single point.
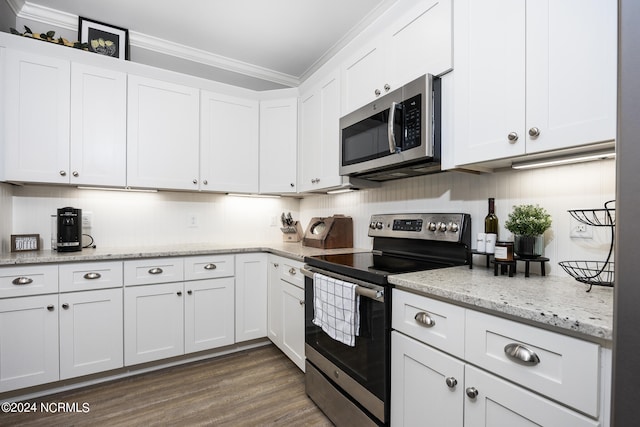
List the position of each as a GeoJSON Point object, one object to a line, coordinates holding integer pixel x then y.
{"type": "Point", "coordinates": [332, 402]}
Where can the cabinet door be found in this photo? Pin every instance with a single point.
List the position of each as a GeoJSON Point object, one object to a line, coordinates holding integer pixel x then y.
{"type": "Point", "coordinates": [36, 106]}
{"type": "Point", "coordinates": [427, 385]}
{"type": "Point", "coordinates": [489, 79]}
{"type": "Point", "coordinates": [363, 76]}
{"type": "Point", "coordinates": [162, 135]}
{"type": "Point", "coordinates": [274, 308]}
{"type": "Point", "coordinates": [229, 143]}
{"type": "Point", "coordinates": [153, 322]}
{"type": "Point", "coordinates": [292, 312]}
{"type": "Point", "coordinates": [91, 334]}
{"type": "Point", "coordinates": [98, 126]}
{"type": "Point", "coordinates": [251, 296]}
{"type": "Point", "coordinates": [571, 73]}
{"type": "Point", "coordinates": [28, 341]}
{"type": "Point", "coordinates": [500, 403]}
{"type": "Point", "coordinates": [319, 145]}
{"type": "Point", "coordinates": [430, 26]}
{"type": "Point", "coordinates": [278, 145]}
{"type": "Point", "coordinates": [208, 314]}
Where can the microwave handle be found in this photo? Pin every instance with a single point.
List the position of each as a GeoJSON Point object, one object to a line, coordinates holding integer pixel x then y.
{"type": "Point", "coordinates": [392, 136]}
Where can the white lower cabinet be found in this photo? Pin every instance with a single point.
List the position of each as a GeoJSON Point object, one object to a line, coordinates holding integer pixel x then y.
{"type": "Point", "coordinates": [90, 332]}
{"type": "Point", "coordinates": [28, 341]}
{"type": "Point", "coordinates": [208, 314]}
{"type": "Point", "coordinates": [286, 308]}
{"type": "Point", "coordinates": [154, 322]}
{"type": "Point", "coordinates": [485, 386]}
{"type": "Point", "coordinates": [251, 296]}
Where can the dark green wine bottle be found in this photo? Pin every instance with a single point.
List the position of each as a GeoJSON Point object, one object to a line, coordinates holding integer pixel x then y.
{"type": "Point", "coordinates": [491, 220]}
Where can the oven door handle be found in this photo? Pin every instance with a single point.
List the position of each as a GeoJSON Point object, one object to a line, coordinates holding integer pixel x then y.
{"type": "Point", "coordinates": [364, 291]}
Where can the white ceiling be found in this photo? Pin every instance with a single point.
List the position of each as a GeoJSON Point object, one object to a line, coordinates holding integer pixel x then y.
{"type": "Point", "coordinates": [278, 40]}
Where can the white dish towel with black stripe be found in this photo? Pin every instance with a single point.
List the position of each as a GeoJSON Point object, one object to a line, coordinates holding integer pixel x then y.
{"type": "Point", "coordinates": [336, 308]}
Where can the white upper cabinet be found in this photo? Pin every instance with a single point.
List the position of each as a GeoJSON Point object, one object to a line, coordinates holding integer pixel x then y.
{"type": "Point", "coordinates": [98, 126]}
{"type": "Point", "coordinates": [319, 145]}
{"type": "Point", "coordinates": [417, 43]}
{"type": "Point", "coordinates": [532, 76]}
{"type": "Point", "coordinates": [162, 135]}
{"type": "Point", "coordinates": [36, 118]}
{"type": "Point", "coordinates": [278, 145]}
{"type": "Point", "coordinates": [229, 143]}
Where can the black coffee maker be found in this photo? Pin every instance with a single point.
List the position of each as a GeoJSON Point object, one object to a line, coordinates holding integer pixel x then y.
{"type": "Point", "coordinates": [69, 229]}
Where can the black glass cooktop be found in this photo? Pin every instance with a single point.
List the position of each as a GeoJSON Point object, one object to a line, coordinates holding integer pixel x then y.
{"type": "Point", "coordinates": [370, 267]}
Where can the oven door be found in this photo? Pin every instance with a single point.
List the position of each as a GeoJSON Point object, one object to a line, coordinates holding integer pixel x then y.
{"type": "Point", "coordinates": [367, 363]}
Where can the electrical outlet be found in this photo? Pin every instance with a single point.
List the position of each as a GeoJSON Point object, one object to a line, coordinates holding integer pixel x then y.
{"type": "Point", "coordinates": [580, 230]}
{"type": "Point", "coordinates": [87, 219]}
{"type": "Point", "coordinates": [192, 221]}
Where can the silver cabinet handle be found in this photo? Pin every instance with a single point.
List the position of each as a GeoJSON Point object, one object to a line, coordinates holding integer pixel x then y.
{"type": "Point", "coordinates": [92, 276]}
{"type": "Point", "coordinates": [156, 270]}
{"type": "Point", "coordinates": [179, 293]}
{"type": "Point", "coordinates": [65, 306]}
{"type": "Point", "coordinates": [534, 132]}
{"type": "Point", "coordinates": [292, 185]}
{"type": "Point", "coordinates": [377, 92]}
{"type": "Point", "coordinates": [424, 319]}
{"type": "Point", "coordinates": [50, 307]}
{"type": "Point", "coordinates": [63, 173]}
{"type": "Point", "coordinates": [472, 392]}
{"type": "Point", "coordinates": [190, 292]}
{"type": "Point", "coordinates": [195, 181]}
{"type": "Point", "coordinates": [387, 88]}
{"type": "Point", "coordinates": [512, 137]}
{"type": "Point", "coordinates": [210, 266]}
{"type": "Point", "coordinates": [521, 354]}
{"type": "Point", "coordinates": [292, 271]}
{"type": "Point", "coordinates": [301, 302]}
{"type": "Point", "coordinates": [75, 173]}
{"type": "Point", "coordinates": [451, 382]}
{"type": "Point", "coordinates": [276, 265]}
{"type": "Point", "coordinates": [22, 281]}
{"type": "Point", "coordinates": [205, 182]}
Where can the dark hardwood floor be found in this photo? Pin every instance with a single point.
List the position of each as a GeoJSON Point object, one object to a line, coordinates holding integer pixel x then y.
{"type": "Point", "coordinates": [258, 387]}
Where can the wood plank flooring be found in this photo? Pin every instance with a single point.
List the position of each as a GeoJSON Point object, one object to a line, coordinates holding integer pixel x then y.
{"type": "Point", "coordinates": [258, 387]}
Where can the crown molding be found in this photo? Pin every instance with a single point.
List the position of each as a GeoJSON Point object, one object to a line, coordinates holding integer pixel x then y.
{"type": "Point", "coordinates": [48, 16]}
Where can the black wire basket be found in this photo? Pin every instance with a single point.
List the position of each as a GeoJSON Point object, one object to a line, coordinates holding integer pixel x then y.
{"type": "Point", "coordinates": [590, 272]}
{"type": "Point", "coordinates": [600, 273]}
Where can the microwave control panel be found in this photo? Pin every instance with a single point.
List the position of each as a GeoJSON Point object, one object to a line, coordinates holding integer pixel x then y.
{"type": "Point", "coordinates": [412, 123]}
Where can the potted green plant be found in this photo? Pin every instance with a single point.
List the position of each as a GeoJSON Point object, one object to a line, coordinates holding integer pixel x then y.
{"type": "Point", "coordinates": [528, 224]}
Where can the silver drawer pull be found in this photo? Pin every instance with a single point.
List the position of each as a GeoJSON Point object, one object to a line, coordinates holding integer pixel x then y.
{"type": "Point", "coordinates": [292, 271]}
{"type": "Point", "coordinates": [156, 270]}
{"type": "Point", "coordinates": [521, 354]}
{"type": "Point", "coordinates": [210, 266]}
{"type": "Point", "coordinates": [425, 320]}
{"type": "Point", "coordinates": [92, 276]}
{"type": "Point", "coordinates": [22, 281]}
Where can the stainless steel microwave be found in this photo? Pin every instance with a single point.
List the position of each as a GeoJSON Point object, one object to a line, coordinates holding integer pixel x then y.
{"type": "Point", "coordinates": [395, 136]}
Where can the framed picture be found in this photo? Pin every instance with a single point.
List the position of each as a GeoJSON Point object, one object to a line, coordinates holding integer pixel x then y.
{"type": "Point", "coordinates": [103, 38]}
{"type": "Point", "coordinates": [25, 242]}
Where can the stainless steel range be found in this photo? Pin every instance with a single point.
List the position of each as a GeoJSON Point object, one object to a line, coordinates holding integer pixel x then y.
{"type": "Point", "coordinates": [350, 380]}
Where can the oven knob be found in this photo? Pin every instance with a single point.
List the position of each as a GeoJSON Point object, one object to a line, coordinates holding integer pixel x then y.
{"type": "Point", "coordinates": [432, 226]}
{"type": "Point", "coordinates": [379, 225]}
{"type": "Point", "coordinates": [453, 227]}
{"type": "Point", "coordinates": [442, 227]}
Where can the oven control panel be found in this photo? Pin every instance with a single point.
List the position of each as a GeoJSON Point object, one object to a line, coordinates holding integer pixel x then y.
{"type": "Point", "coordinates": [436, 226]}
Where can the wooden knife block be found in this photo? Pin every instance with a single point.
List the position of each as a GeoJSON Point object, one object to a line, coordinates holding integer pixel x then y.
{"type": "Point", "coordinates": [336, 233]}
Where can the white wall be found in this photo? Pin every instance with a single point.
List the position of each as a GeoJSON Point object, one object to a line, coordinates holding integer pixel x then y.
{"type": "Point", "coordinates": [6, 217]}
{"type": "Point", "coordinates": [557, 189]}
{"type": "Point", "coordinates": [133, 219]}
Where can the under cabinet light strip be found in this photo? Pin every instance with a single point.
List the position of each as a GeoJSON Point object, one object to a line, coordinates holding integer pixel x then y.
{"type": "Point", "coordinates": [126, 189]}
{"type": "Point", "coordinates": [565, 160]}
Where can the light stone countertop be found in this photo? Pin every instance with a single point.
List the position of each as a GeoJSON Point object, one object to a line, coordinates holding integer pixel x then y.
{"type": "Point", "coordinates": [290, 250]}
{"type": "Point", "coordinates": [556, 303]}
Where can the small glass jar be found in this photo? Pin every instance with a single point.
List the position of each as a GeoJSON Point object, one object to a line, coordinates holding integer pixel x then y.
{"type": "Point", "coordinates": [504, 251]}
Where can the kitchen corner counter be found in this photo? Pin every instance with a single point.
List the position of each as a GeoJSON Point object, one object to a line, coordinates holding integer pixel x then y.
{"type": "Point", "coordinates": [557, 303]}
{"type": "Point", "coordinates": [289, 250]}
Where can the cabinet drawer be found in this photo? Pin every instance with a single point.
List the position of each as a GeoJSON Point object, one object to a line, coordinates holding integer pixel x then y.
{"type": "Point", "coordinates": [153, 270]}
{"type": "Point", "coordinates": [567, 369]}
{"type": "Point", "coordinates": [88, 276]}
{"type": "Point", "coordinates": [208, 267]}
{"type": "Point", "coordinates": [433, 322]}
{"type": "Point", "coordinates": [28, 280]}
{"type": "Point", "coordinates": [290, 272]}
